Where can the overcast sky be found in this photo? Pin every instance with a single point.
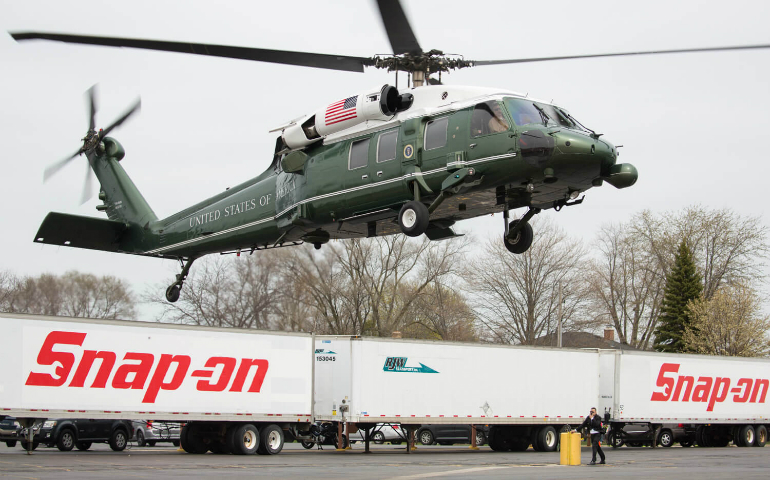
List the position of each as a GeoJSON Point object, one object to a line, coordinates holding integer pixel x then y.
{"type": "Point", "coordinates": [695, 125]}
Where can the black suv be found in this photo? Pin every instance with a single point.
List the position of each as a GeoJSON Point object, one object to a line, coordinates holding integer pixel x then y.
{"type": "Point", "coordinates": [67, 433]}
{"type": "Point", "coordinates": [448, 434]}
{"type": "Point", "coordinates": [9, 430]}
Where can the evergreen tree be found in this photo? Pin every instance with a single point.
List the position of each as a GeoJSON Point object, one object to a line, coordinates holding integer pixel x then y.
{"type": "Point", "coordinates": [682, 285]}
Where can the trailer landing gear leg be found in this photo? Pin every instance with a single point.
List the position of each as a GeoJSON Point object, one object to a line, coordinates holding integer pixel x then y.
{"type": "Point", "coordinates": [473, 438]}
{"type": "Point", "coordinates": [172, 292]}
{"type": "Point", "coordinates": [366, 441]}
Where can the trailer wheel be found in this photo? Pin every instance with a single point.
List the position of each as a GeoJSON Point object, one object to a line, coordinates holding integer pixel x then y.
{"type": "Point", "coordinates": [190, 440]}
{"type": "Point", "coordinates": [519, 444]}
{"type": "Point", "coordinates": [66, 440]}
{"type": "Point", "coordinates": [547, 439]}
{"type": "Point", "coordinates": [761, 435]}
{"type": "Point", "coordinates": [666, 438]}
{"type": "Point", "coordinates": [747, 436]}
{"type": "Point", "coordinates": [83, 446]}
{"type": "Point", "coordinates": [244, 439]}
{"type": "Point", "coordinates": [10, 443]}
{"type": "Point", "coordinates": [272, 440]}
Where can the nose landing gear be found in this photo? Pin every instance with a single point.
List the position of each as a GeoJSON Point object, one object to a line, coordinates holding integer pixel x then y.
{"type": "Point", "coordinates": [518, 233]}
{"type": "Point", "coordinates": [172, 292]}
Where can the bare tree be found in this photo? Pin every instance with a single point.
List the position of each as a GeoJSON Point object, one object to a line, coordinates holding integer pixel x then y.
{"type": "Point", "coordinates": [517, 295]}
{"type": "Point", "coordinates": [626, 283]}
{"type": "Point", "coordinates": [441, 313]}
{"type": "Point", "coordinates": [729, 323]}
{"type": "Point", "coordinates": [226, 292]}
{"type": "Point", "coordinates": [74, 294]}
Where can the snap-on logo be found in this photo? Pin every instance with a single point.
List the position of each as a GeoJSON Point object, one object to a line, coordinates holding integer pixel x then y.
{"type": "Point", "coordinates": [712, 390]}
{"type": "Point", "coordinates": [398, 364]}
{"type": "Point", "coordinates": [134, 375]}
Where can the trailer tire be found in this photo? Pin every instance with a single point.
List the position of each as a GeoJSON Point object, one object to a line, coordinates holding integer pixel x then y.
{"type": "Point", "coordinates": [191, 442]}
{"type": "Point", "coordinates": [243, 439]}
{"type": "Point", "coordinates": [547, 439]}
{"type": "Point", "coordinates": [520, 444]}
{"type": "Point", "coordinates": [10, 443]}
{"type": "Point", "coordinates": [66, 440]}
{"type": "Point", "coordinates": [761, 435]}
{"type": "Point", "coordinates": [747, 436]}
{"type": "Point", "coordinates": [271, 440]}
{"type": "Point", "coordinates": [666, 438]}
{"type": "Point", "coordinates": [83, 446]}
{"type": "Point", "coordinates": [497, 441]}
{"type": "Point", "coordinates": [700, 438]}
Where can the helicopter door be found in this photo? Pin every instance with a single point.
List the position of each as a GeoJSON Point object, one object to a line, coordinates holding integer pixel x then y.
{"type": "Point", "coordinates": [490, 130]}
{"type": "Point", "coordinates": [444, 137]}
{"type": "Point", "coordinates": [386, 170]}
{"type": "Point", "coordinates": [356, 176]}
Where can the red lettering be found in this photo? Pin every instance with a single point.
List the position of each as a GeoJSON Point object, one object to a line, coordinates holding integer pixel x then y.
{"type": "Point", "coordinates": [759, 383]}
{"type": "Point", "coordinates": [140, 371]}
{"type": "Point", "coordinates": [48, 357]}
{"type": "Point", "coordinates": [224, 378]}
{"type": "Point", "coordinates": [84, 367]}
{"type": "Point", "coordinates": [665, 382]}
{"type": "Point", "coordinates": [746, 384]}
{"type": "Point", "coordinates": [680, 382]}
{"type": "Point", "coordinates": [701, 392]}
{"type": "Point", "coordinates": [243, 371]}
{"type": "Point", "coordinates": [157, 382]}
{"type": "Point", "coordinates": [716, 395]}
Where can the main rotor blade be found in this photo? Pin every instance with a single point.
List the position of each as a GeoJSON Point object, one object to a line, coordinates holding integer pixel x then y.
{"type": "Point", "coordinates": [92, 105]}
{"type": "Point", "coordinates": [652, 52]}
{"type": "Point", "coordinates": [55, 167]}
{"type": "Point", "coordinates": [87, 188]}
{"type": "Point", "coordinates": [136, 107]}
{"type": "Point", "coordinates": [397, 26]}
{"type": "Point", "coordinates": [304, 59]}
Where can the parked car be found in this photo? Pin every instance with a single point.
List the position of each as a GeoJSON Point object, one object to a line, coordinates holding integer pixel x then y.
{"type": "Point", "coordinates": [147, 432]}
{"type": "Point", "coordinates": [381, 433]}
{"type": "Point", "coordinates": [641, 435]}
{"type": "Point", "coordinates": [448, 434]}
{"type": "Point", "coordinates": [68, 433]}
{"type": "Point", "coordinates": [9, 429]}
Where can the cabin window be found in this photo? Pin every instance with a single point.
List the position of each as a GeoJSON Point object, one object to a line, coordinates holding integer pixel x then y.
{"type": "Point", "coordinates": [435, 133]}
{"type": "Point", "coordinates": [488, 117]}
{"type": "Point", "coordinates": [359, 154]}
{"type": "Point", "coordinates": [386, 146]}
{"type": "Point", "coordinates": [523, 111]}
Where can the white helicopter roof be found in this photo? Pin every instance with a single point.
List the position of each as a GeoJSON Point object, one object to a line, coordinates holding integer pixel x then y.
{"type": "Point", "coordinates": [429, 100]}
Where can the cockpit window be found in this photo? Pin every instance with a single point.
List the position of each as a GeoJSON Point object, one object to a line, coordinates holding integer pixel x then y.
{"type": "Point", "coordinates": [525, 112]}
{"type": "Point", "coordinates": [488, 118]}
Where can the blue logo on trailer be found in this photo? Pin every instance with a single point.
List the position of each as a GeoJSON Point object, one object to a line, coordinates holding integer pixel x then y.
{"type": "Point", "coordinates": [398, 364]}
{"type": "Point", "coordinates": [326, 352]}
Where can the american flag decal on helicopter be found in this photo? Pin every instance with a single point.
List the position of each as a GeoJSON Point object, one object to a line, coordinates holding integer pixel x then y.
{"type": "Point", "coordinates": [340, 111]}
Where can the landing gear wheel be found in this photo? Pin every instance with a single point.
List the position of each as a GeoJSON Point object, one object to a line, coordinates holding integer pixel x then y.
{"type": "Point", "coordinates": [520, 241]}
{"type": "Point", "coordinates": [317, 246]}
{"type": "Point", "coordinates": [413, 218]}
{"type": "Point", "coordinates": [172, 293]}
{"type": "Point", "coordinates": [271, 440]}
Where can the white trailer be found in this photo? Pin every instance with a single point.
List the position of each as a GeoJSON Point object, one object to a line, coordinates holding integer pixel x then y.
{"type": "Point", "coordinates": [236, 390]}
{"type": "Point", "coordinates": [526, 395]}
{"type": "Point", "coordinates": [711, 401]}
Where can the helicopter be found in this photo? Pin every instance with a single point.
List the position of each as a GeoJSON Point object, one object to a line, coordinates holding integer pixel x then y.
{"type": "Point", "coordinates": [376, 162]}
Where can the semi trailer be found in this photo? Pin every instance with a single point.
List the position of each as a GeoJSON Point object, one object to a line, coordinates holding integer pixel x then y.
{"type": "Point", "coordinates": [247, 391]}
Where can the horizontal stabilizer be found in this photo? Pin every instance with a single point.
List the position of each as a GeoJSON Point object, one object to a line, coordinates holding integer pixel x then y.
{"type": "Point", "coordinates": [80, 232]}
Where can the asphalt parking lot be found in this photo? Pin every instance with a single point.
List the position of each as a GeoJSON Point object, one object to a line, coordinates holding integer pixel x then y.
{"type": "Point", "coordinates": [385, 462]}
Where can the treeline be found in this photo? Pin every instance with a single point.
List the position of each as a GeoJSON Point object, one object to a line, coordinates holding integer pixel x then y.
{"type": "Point", "coordinates": [73, 294]}
{"type": "Point", "coordinates": [470, 289]}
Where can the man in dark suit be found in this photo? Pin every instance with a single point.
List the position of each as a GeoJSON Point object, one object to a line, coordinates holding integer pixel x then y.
{"type": "Point", "coordinates": [594, 423]}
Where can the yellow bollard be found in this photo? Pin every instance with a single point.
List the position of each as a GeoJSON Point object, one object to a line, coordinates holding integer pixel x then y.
{"type": "Point", "coordinates": [570, 449]}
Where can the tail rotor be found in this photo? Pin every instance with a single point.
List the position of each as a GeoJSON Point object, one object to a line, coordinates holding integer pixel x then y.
{"type": "Point", "coordinates": [91, 142]}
